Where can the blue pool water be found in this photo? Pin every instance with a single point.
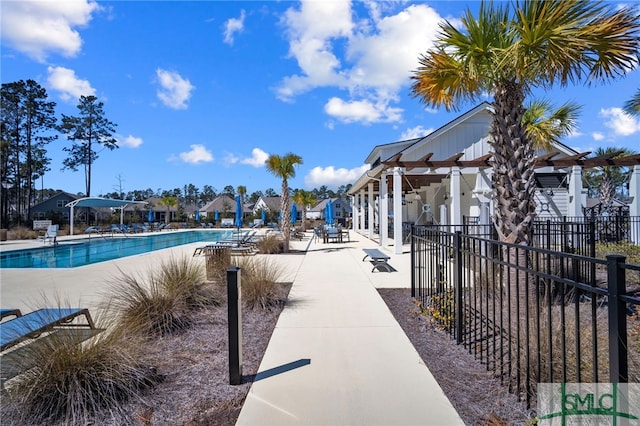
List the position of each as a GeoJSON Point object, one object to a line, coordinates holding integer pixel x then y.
{"type": "Point", "coordinates": [74, 253]}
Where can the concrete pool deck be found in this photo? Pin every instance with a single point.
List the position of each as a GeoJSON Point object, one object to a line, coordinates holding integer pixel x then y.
{"type": "Point", "coordinates": [337, 355]}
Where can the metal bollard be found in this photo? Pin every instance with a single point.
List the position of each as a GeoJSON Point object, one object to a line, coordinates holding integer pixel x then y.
{"type": "Point", "coordinates": [234, 302]}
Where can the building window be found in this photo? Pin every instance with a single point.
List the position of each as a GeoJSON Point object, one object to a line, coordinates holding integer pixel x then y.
{"type": "Point", "coordinates": [337, 205]}
{"type": "Point", "coordinates": [61, 203]}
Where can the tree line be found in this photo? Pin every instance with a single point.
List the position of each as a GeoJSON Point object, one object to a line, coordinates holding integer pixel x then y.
{"type": "Point", "coordinates": [28, 124]}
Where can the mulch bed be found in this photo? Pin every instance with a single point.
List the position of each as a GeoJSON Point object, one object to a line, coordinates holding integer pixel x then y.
{"type": "Point", "coordinates": [475, 393]}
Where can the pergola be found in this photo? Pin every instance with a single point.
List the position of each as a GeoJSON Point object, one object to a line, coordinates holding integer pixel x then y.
{"type": "Point", "coordinates": [98, 202]}
{"type": "Point", "coordinates": [400, 177]}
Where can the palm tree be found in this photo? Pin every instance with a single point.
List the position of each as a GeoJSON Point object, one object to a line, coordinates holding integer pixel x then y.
{"type": "Point", "coordinates": [304, 199]}
{"type": "Point", "coordinates": [169, 202]}
{"type": "Point", "coordinates": [608, 178]}
{"type": "Point", "coordinates": [632, 106]}
{"type": "Point", "coordinates": [284, 168]}
{"type": "Point", "coordinates": [242, 191]}
{"type": "Point", "coordinates": [542, 43]}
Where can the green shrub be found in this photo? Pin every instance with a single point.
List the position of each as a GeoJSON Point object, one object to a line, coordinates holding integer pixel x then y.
{"type": "Point", "coordinates": [259, 280]}
{"type": "Point", "coordinates": [71, 381]}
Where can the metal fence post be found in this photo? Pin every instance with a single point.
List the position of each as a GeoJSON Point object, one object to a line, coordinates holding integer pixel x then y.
{"type": "Point", "coordinates": [413, 262]}
{"type": "Point", "coordinates": [234, 302]}
{"type": "Point", "coordinates": [618, 363]}
{"type": "Point", "coordinates": [457, 267]}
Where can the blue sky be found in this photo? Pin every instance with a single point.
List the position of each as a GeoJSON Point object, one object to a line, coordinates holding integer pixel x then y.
{"type": "Point", "coordinates": [202, 92]}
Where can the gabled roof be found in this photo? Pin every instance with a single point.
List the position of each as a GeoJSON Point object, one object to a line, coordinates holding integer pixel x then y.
{"type": "Point", "coordinates": [57, 195]}
{"type": "Point", "coordinates": [220, 203]}
{"type": "Point", "coordinates": [272, 203]}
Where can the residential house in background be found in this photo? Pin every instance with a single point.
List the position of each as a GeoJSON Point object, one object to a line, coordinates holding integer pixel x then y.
{"type": "Point", "coordinates": [225, 205]}
{"type": "Point", "coordinates": [54, 208]}
{"type": "Point", "coordinates": [268, 204]}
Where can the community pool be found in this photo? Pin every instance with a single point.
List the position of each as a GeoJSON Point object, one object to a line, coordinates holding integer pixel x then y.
{"type": "Point", "coordinates": [74, 253]}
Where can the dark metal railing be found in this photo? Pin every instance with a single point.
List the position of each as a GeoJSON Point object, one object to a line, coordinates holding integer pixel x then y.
{"type": "Point", "coordinates": [530, 314]}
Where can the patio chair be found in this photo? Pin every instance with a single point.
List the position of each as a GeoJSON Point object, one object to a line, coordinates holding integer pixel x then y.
{"type": "Point", "coordinates": [51, 235]}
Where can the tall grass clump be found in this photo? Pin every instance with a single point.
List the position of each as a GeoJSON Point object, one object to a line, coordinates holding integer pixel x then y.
{"type": "Point", "coordinates": [260, 278]}
{"type": "Point", "coordinates": [270, 244]}
{"type": "Point", "coordinates": [72, 382]}
{"type": "Point", "coordinates": [160, 302]}
{"type": "Point", "coordinates": [183, 278]}
{"type": "Point", "coordinates": [21, 233]}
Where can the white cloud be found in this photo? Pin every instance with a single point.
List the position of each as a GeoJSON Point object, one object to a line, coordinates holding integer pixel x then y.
{"type": "Point", "coordinates": [231, 159]}
{"type": "Point", "coordinates": [363, 111]}
{"type": "Point", "coordinates": [175, 91]}
{"type": "Point", "coordinates": [332, 177]}
{"type": "Point", "coordinates": [380, 54]}
{"type": "Point", "coordinates": [415, 132]}
{"type": "Point", "coordinates": [233, 26]}
{"type": "Point", "coordinates": [64, 80]}
{"type": "Point", "coordinates": [198, 154]}
{"type": "Point", "coordinates": [257, 159]}
{"type": "Point", "coordinates": [597, 136]}
{"type": "Point", "coordinates": [620, 122]}
{"type": "Point", "coordinates": [37, 28]}
{"type": "Point", "coordinates": [129, 141]}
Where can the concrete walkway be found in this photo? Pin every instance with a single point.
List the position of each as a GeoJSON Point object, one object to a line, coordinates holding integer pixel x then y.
{"type": "Point", "coordinates": [337, 356]}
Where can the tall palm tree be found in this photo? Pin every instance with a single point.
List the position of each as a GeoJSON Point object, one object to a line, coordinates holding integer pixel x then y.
{"type": "Point", "coordinates": [632, 106]}
{"type": "Point", "coordinates": [508, 52]}
{"type": "Point", "coordinates": [284, 168]}
{"type": "Point", "coordinates": [304, 199]}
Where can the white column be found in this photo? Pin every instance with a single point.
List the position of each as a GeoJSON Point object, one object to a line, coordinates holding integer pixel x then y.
{"type": "Point", "coordinates": [371, 199]}
{"type": "Point", "coordinates": [383, 211]}
{"type": "Point", "coordinates": [456, 196]}
{"type": "Point", "coordinates": [397, 210]}
{"type": "Point", "coordinates": [575, 192]}
{"type": "Point", "coordinates": [354, 212]}
{"type": "Point", "coordinates": [362, 203]}
{"type": "Point", "coordinates": [634, 207]}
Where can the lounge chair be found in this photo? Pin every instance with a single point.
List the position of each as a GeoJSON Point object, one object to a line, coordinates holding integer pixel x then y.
{"type": "Point", "coordinates": [35, 323]}
{"type": "Point", "coordinates": [4, 313]}
{"type": "Point", "coordinates": [41, 327]}
{"type": "Point", "coordinates": [92, 229]}
{"type": "Point", "coordinates": [241, 243]}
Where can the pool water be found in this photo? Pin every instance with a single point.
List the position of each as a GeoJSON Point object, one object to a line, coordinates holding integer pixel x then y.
{"type": "Point", "coordinates": [74, 253]}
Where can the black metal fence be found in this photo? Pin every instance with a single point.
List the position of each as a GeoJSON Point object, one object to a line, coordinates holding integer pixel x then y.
{"type": "Point", "coordinates": [531, 314]}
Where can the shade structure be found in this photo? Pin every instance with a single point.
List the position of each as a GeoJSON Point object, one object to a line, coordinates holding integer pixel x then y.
{"type": "Point", "coordinates": [197, 215]}
{"type": "Point", "coordinates": [329, 213]}
{"type": "Point", "coordinates": [150, 216]}
{"type": "Point", "coordinates": [216, 216]}
{"type": "Point", "coordinates": [238, 212]}
{"type": "Point", "coordinates": [294, 213]}
{"type": "Point", "coordinates": [264, 216]}
{"type": "Point", "coordinates": [98, 202]}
